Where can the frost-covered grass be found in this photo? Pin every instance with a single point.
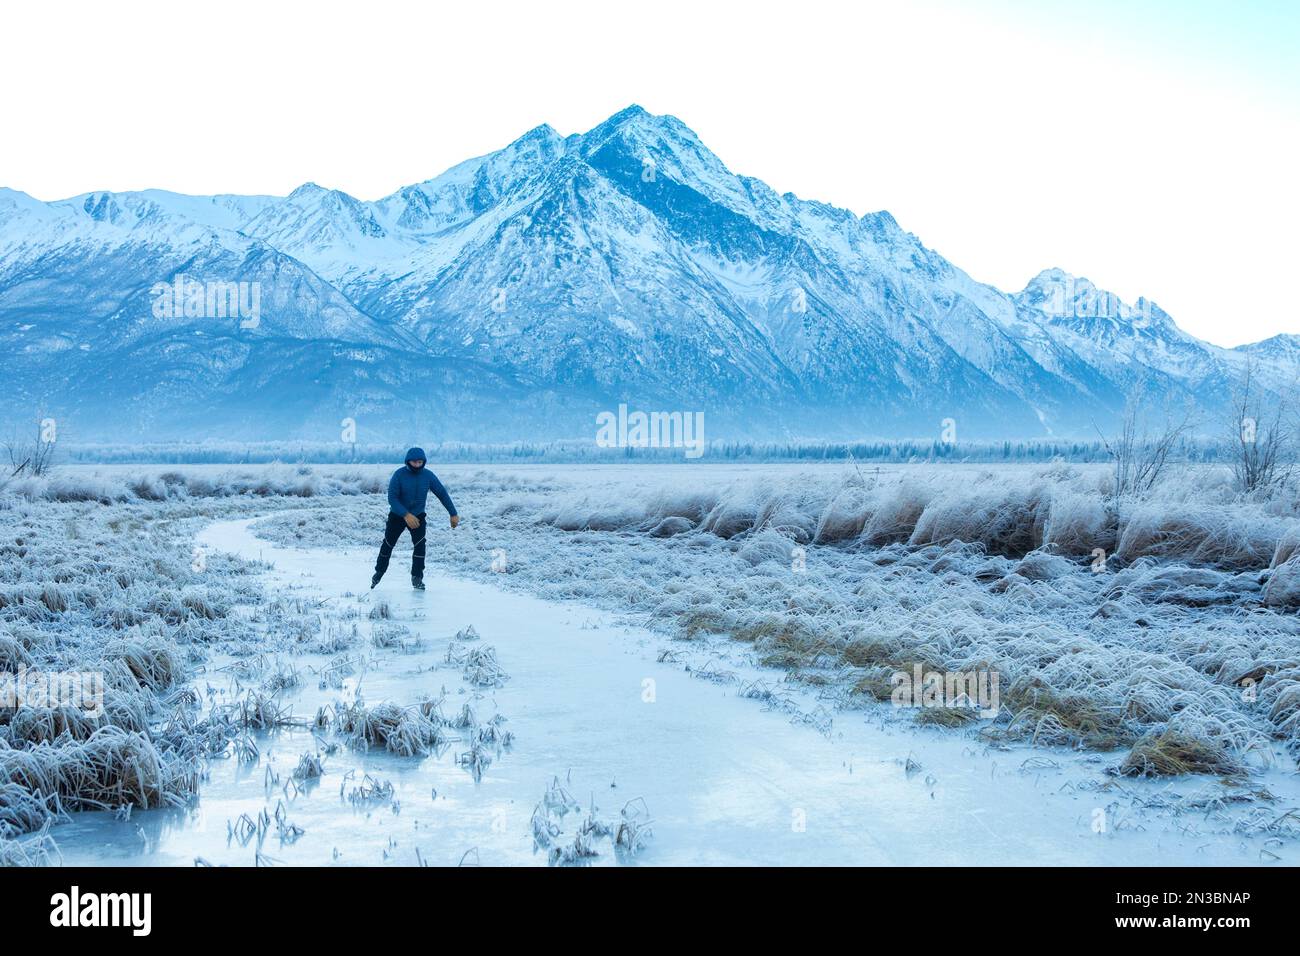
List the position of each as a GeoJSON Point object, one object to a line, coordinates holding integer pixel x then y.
{"type": "Point", "coordinates": [99, 575]}
{"type": "Point", "coordinates": [112, 591]}
{"type": "Point", "coordinates": [114, 484]}
{"type": "Point", "coordinates": [1181, 646]}
{"type": "Point", "coordinates": [1164, 624]}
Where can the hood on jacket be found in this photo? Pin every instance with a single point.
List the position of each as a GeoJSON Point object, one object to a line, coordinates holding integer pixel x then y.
{"type": "Point", "coordinates": [415, 454]}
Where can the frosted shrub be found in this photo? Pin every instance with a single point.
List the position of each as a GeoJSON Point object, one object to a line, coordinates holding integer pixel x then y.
{"type": "Point", "coordinates": [1077, 523]}
{"type": "Point", "coordinates": [148, 488]}
{"type": "Point", "coordinates": [1288, 545]}
{"type": "Point", "coordinates": [898, 507]}
{"type": "Point", "coordinates": [1004, 522]}
{"type": "Point", "coordinates": [843, 518]}
{"type": "Point", "coordinates": [730, 518]}
{"type": "Point", "coordinates": [405, 731]}
{"type": "Point", "coordinates": [1231, 538]}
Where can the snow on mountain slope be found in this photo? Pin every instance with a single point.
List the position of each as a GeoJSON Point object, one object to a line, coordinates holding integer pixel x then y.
{"type": "Point", "coordinates": [1137, 347]}
{"type": "Point", "coordinates": [1098, 324]}
{"type": "Point", "coordinates": [582, 286]}
{"type": "Point", "coordinates": [573, 273]}
{"type": "Point", "coordinates": [358, 245]}
{"type": "Point", "coordinates": [85, 337]}
{"type": "Point", "coordinates": [470, 188]}
{"type": "Point", "coordinates": [1280, 347]}
{"type": "Point", "coordinates": [216, 212]}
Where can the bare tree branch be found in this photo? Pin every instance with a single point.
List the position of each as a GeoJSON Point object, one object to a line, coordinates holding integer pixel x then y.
{"type": "Point", "coordinates": [1260, 439]}
{"type": "Point", "coordinates": [1140, 458]}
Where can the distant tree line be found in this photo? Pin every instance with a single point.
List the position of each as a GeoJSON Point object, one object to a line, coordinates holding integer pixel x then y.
{"type": "Point", "coordinates": [1185, 448]}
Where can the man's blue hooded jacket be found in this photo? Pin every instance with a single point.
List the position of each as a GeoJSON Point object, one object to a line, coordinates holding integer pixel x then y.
{"type": "Point", "coordinates": [408, 489]}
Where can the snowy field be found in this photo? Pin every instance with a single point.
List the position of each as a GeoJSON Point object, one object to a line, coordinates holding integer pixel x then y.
{"type": "Point", "coordinates": [649, 665]}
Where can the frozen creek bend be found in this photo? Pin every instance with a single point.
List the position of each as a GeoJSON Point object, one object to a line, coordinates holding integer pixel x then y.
{"type": "Point", "coordinates": [726, 780]}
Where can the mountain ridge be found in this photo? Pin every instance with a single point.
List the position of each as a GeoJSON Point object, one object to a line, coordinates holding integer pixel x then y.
{"type": "Point", "coordinates": [567, 274]}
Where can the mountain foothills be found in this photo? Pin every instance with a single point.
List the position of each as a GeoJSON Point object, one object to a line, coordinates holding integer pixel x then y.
{"type": "Point", "coordinates": [520, 294]}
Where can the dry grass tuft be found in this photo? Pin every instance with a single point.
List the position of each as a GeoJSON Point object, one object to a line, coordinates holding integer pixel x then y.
{"type": "Point", "coordinates": [405, 731]}
{"type": "Point", "coordinates": [1171, 753]}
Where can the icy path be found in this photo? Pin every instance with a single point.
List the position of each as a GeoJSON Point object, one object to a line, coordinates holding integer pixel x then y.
{"type": "Point", "coordinates": [726, 781]}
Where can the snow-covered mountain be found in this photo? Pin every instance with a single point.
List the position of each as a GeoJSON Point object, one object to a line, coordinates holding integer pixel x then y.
{"type": "Point", "coordinates": [519, 293]}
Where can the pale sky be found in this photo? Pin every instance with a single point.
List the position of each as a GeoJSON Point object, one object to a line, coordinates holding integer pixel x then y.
{"type": "Point", "coordinates": [1151, 147]}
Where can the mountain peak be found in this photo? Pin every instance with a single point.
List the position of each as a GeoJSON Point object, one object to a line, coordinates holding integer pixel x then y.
{"type": "Point", "coordinates": [1078, 301]}
{"type": "Point", "coordinates": [633, 141]}
{"type": "Point", "coordinates": [631, 111]}
{"type": "Point", "coordinates": [543, 133]}
{"type": "Point", "coordinates": [1056, 276]}
{"type": "Point", "coordinates": [541, 141]}
{"type": "Point", "coordinates": [1061, 294]}
{"type": "Point", "coordinates": [635, 117]}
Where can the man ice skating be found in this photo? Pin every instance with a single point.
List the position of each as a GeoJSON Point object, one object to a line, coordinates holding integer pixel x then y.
{"type": "Point", "coordinates": [407, 491]}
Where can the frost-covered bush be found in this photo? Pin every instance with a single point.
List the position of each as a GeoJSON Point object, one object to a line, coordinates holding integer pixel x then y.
{"type": "Point", "coordinates": [406, 731]}
{"type": "Point", "coordinates": [1004, 520]}
{"type": "Point", "coordinates": [1078, 522]}
{"type": "Point", "coordinates": [1230, 537]}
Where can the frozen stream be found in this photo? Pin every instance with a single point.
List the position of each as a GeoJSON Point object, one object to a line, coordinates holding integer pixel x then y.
{"type": "Point", "coordinates": [726, 781]}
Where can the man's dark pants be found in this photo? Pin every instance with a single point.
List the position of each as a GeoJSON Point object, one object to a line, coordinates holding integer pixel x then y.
{"type": "Point", "coordinates": [392, 531]}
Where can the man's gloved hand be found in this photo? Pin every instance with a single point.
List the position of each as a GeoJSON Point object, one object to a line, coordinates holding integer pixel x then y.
{"type": "Point", "coordinates": [455, 520]}
{"type": "Point", "coordinates": [412, 521]}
